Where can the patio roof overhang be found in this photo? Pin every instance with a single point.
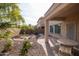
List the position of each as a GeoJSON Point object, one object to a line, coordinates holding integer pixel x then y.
{"type": "Point", "coordinates": [62, 10]}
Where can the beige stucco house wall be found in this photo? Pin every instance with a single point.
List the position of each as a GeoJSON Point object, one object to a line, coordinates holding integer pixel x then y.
{"type": "Point", "coordinates": [73, 20]}
{"type": "Point", "coordinates": [40, 25]}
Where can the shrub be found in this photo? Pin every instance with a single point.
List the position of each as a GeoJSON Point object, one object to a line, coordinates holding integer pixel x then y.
{"type": "Point", "coordinates": [9, 41]}
{"type": "Point", "coordinates": [26, 46]}
{"type": "Point", "coordinates": [8, 45]}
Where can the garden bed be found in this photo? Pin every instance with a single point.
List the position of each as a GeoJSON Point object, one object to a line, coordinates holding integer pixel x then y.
{"type": "Point", "coordinates": [35, 50]}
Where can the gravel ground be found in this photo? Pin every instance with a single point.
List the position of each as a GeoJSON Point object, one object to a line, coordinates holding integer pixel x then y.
{"type": "Point", "coordinates": [35, 50]}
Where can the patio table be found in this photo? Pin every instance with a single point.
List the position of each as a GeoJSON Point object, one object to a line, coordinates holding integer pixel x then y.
{"type": "Point", "coordinates": [66, 45]}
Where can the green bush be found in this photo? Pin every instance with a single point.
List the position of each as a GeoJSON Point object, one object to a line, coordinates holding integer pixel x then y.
{"type": "Point", "coordinates": [8, 45]}
{"type": "Point", "coordinates": [4, 25]}
{"type": "Point", "coordinates": [5, 34]}
{"type": "Point", "coordinates": [26, 46]}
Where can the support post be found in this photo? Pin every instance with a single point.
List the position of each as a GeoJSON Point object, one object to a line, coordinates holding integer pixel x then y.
{"type": "Point", "coordinates": [46, 31]}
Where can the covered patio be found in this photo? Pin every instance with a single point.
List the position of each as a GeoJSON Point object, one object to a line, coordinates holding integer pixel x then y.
{"type": "Point", "coordinates": [69, 15]}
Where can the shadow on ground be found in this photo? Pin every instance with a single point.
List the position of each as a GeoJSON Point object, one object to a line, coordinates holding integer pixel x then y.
{"type": "Point", "coordinates": [49, 50]}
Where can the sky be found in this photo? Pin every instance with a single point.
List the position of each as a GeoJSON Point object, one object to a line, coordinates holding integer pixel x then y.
{"type": "Point", "coordinates": [31, 11]}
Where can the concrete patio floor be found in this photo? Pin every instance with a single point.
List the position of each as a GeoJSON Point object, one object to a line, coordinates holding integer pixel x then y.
{"type": "Point", "coordinates": [48, 47]}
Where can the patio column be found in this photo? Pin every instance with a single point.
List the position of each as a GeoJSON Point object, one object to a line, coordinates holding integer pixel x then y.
{"type": "Point", "coordinates": [46, 31]}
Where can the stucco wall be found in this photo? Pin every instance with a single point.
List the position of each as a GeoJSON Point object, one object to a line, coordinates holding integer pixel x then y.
{"type": "Point", "coordinates": [63, 29]}
{"type": "Point", "coordinates": [72, 19]}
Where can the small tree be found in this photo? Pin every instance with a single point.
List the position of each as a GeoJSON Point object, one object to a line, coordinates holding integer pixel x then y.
{"type": "Point", "coordinates": [9, 15]}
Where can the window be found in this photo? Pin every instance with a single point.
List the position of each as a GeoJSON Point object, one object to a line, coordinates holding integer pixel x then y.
{"type": "Point", "coordinates": [57, 29]}
{"type": "Point", "coordinates": [51, 28]}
